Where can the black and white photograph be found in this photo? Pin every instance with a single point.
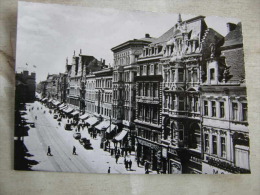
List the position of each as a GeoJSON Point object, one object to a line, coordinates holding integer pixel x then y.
{"type": "Point", "coordinates": [101, 90]}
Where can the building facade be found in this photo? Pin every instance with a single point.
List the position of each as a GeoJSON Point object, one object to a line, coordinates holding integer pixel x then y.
{"type": "Point", "coordinates": [124, 86]}
{"type": "Point", "coordinates": [81, 66]}
{"type": "Point", "coordinates": [103, 92]}
{"type": "Point", "coordinates": [225, 120]}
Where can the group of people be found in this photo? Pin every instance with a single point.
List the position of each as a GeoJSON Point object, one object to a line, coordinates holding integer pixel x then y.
{"type": "Point", "coordinates": [128, 164]}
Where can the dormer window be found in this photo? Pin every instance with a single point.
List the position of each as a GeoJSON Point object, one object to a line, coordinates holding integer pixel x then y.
{"type": "Point", "coordinates": [212, 74]}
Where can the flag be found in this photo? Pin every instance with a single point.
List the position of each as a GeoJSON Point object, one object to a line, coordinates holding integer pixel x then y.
{"type": "Point", "coordinates": [26, 64]}
{"type": "Point", "coordinates": [34, 66]}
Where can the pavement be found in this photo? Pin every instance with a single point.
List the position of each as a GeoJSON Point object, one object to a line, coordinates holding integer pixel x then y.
{"type": "Point", "coordinates": [48, 132]}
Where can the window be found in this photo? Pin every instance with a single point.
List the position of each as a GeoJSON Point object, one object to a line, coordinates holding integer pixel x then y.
{"type": "Point", "coordinates": [196, 104]}
{"type": "Point", "coordinates": [234, 111]}
{"type": "Point", "coordinates": [206, 143]}
{"type": "Point", "coordinates": [173, 102]}
{"type": "Point", "coordinates": [189, 76]}
{"type": "Point", "coordinates": [212, 74]}
{"type": "Point", "coordinates": [223, 146]}
{"type": "Point", "coordinates": [181, 128]}
{"type": "Point", "coordinates": [181, 103]}
{"type": "Point", "coordinates": [222, 109]}
{"type": "Point", "coordinates": [206, 108]}
{"type": "Point", "coordinates": [195, 76]}
{"type": "Point", "coordinates": [214, 144]}
{"type": "Point", "coordinates": [244, 111]}
{"type": "Point", "coordinates": [213, 108]}
{"type": "Point", "coordinates": [181, 75]}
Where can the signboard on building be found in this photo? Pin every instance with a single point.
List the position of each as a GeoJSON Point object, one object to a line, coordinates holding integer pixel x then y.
{"type": "Point", "coordinates": [209, 169]}
{"type": "Point", "coordinates": [175, 167]}
{"type": "Point", "coordinates": [164, 152]}
{"type": "Point", "coordinates": [148, 144]}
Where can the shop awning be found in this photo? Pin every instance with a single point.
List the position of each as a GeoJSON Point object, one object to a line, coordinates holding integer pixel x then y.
{"type": "Point", "coordinates": [44, 99]}
{"type": "Point", "coordinates": [75, 113]}
{"type": "Point", "coordinates": [68, 110]}
{"type": "Point", "coordinates": [84, 116]}
{"type": "Point", "coordinates": [91, 120]}
{"type": "Point", "coordinates": [62, 105]}
{"type": "Point", "coordinates": [56, 103]}
{"type": "Point", "coordinates": [111, 129]}
{"type": "Point", "coordinates": [121, 135]}
{"type": "Point", "coordinates": [103, 125]}
{"type": "Point", "coordinates": [50, 100]}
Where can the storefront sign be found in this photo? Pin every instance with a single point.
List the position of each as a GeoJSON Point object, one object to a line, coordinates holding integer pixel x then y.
{"type": "Point", "coordinates": [164, 152]}
{"type": "Point", "coordinates": [173, 151]}
{"type": "Point", "coordinates": [175, 167]}
{"type": "Point", "coordinates": [208, 169]}
{"type": "Point", "coordinates": [148, 144]}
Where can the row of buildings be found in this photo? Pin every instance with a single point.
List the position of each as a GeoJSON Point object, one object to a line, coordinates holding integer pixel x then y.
{"type": "Point", "coordinates": [178, 100]}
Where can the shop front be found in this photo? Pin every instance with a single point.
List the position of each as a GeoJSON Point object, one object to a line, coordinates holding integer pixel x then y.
{"type": "Point", "coordinates": [174, 162]}
{"type": "Point", "coordinates": [150, 152]}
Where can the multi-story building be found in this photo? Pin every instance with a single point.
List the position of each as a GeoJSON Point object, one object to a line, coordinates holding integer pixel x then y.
{"type": "Point", "coordinates": [168, 110]}
{"type": "Point", "coordinates": [103, 92]}
{"type": "Point", "coordinates": [124, 91]}
{"type": "Point", "coordinates": [81, 66]}
{"type": "Point", "coordinates": [52, 86]}
{"type": "Point", "coordinates": [90, 97]}
{"type": "Point", "coordinates": [62, 87]}
{"type": "Point", "coordinates": [149, 105]}
{"type": "Point", "coordinates": [183, 62]}
{"type": "Point", "coordinates": [225, 121]}
{"type": "Point", "coordinates": [25, 87]}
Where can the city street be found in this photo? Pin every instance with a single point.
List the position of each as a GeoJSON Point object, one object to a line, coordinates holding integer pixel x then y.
{"type": "Point", "coordinates": [47, 132]}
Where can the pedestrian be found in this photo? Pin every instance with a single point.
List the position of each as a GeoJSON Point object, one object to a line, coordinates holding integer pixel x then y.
{"type": "Point", "coordinates": [126, 165]}
{"type": "Point", "coordinates": [158, 171]}
{"type": "Point", "coordinates": [74, 151]}
{"type": "Point", "coordinates": [35, 117]}
{"type": "Point", "coordinates": [122, 152]}
{"type": "Point", "coordinates": [49, 151]}
{"type": "Point", "coordinates": [117, 157]}
{"type": "Point", "coordinates": [118, 152]}
{"type": "Point", "coordinates": [108, 171]}
{"type": "Point", "coordinates": [125, 161]}
{"type": "Point", "coordinates": [138, 161]}
{"type": "Point", "coordinates": [130, 164]}
{"type": "Point", "coordinates": [145, 165]}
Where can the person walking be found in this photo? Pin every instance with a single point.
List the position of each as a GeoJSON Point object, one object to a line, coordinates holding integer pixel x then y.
{"type": "Point", "coordinates": [126, 164]}
{"type": "Point", "coordinates": [108, 171]}
{"type": "Point", "coordinates": [74, 151]}
{"type": "Point", "coordinates": [35, 117]}
{"type": "Point", "coordinates": [49, 151]}
{"type": "Point", "coordinates": [138, 161]}
{"type": "Point", "coordinates": [130, 164]}
{"type": "Point", "coordinates": [117, 157]}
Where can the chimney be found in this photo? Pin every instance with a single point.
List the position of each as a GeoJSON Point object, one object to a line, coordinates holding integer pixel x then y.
{"type": "Point", "coordinates": [80, 51]}
{"type": "Point", "coordinates": [179, 18]}
{"type": "Point", "coordinates": [104, 62]}
{"type": "Point", "coordinates": [147, 35]}
{"type": "Point", "coordinates": [74, 52]}
{"type": "Point", "coordinates": [231, 27]}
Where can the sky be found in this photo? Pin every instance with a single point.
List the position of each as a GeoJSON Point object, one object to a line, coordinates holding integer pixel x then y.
{"type": "Point", "coordinates": [49, 33]}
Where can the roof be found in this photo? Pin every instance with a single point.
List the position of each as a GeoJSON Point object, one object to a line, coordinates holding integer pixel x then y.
{"type": "Point", "coordinates": [234, 37]}
{"type": "Point", "coordinates": [174, 30]}
{"type": "Point", "coordinates": [142, 41]}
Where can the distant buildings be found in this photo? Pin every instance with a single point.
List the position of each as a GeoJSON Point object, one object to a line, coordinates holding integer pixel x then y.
{"type": "Point", "coordinates": [179, 101]}
{"type": "Point", "coordinates": [25, 87]}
